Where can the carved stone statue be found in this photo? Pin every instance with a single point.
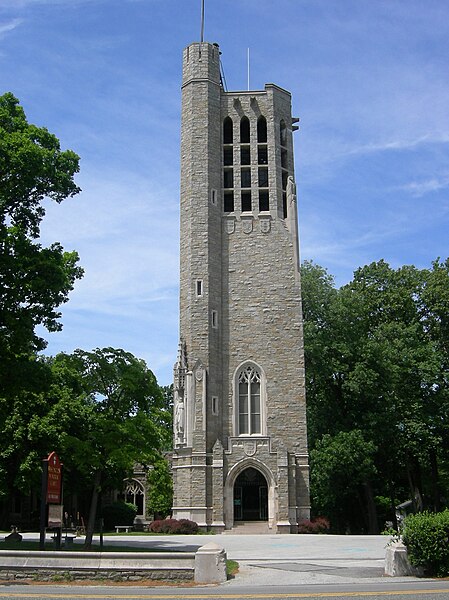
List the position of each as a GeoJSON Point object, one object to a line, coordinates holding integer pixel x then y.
{"type": "Point", "coordinates": [291, 189]}
{"type": "Point", "coordinates": [179, 420]}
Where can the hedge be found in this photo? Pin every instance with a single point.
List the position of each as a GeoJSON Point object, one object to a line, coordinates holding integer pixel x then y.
{"type": "Point", "coordinates": [173, 526]}
{"type": "Point", "coordinates": [426, 536]}
{"type": "Point", "coordinates": [318, 525]}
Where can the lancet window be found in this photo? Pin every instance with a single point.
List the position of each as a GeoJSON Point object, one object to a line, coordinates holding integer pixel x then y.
{"type": "Point", "coordinates": [250, 413]}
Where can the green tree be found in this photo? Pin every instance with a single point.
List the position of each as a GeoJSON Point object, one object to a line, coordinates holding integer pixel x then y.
{"type": "Point", "coordinates": [160, 495]}
{"type": "Point", "coordinates": [32, 167]}
{"type": "Point", "coordinates": [34, 281]}
{"type": "Point", "coordinates": [342, 467]}
{"type": "Point", "coordinates": [123, 419]}
{"type": "Point", "coordinates": [376, 361]}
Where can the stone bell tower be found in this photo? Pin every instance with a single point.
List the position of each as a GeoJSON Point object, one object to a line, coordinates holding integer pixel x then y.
{"type": "Point", "coordinates": [240, 411]}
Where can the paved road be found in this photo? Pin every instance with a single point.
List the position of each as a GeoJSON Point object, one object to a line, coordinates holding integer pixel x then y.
{"type": "Point", "coordinates": [426, 591]}
{"type": "Point", "coordinates": [286, 559]}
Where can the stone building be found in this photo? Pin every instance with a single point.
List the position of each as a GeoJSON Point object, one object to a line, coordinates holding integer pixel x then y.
{"type": "Point", "coordinates": [240, 411]}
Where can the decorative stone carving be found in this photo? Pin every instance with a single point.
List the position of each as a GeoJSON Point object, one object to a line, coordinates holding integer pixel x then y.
{"type": "Point", "coordinates": [247, 225]}
{"type": "Point", "coordinates": [230, 225]}
{"type": "Point", "coordinates": [133, 487]}
{"type": "Point", "coordinates": [265, 224]}
{"type": "Point", "coordinates": [179, 393]}
{"type": "Point", "coordinates": [291, 190]}
{"type": "Point", "coordinates": [250, 447]}
{"type": "Point", "coordinates": [179, 419]}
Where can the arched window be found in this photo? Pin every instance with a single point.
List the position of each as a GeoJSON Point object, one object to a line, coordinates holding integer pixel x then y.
{"type": "Point", "coordinates": [249, 392]}
{"type": "Point", "coordinates": [244, 131]}
{"type": "Point", "coordinates": [261, 130]}
{"type": "Point", "coordinates": [135, 494]}
{"type": "Point", "coordinates": [227, 131]}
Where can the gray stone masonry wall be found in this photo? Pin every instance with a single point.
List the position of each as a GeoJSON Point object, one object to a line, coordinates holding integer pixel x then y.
{"type": "Point", "coordinates": [206, 565]}
{"type": "Point", "coordinates": [200, 226]}
{"type": "Point", "coordinates": [121, 566]}
{"type": "Point", "coordinates": [247, 263]}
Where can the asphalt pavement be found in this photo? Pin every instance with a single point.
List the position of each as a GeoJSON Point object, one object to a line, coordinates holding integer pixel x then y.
{"type": "Point", "coordinates": [267, 560]}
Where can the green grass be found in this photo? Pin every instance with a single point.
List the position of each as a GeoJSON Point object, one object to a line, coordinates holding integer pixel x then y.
{"type": "Point", "coordinates": [232, 567]}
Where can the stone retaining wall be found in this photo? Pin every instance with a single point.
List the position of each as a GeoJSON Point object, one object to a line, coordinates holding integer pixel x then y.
{"type": "Point", "coordinates": [207, 565]}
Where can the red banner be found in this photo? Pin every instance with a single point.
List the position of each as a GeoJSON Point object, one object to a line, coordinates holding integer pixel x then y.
{"type": "Point", "coordinates": [54, 479]}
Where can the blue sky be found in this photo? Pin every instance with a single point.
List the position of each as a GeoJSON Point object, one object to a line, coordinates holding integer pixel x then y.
{"type": "Point", "coordinates": [370, 82]}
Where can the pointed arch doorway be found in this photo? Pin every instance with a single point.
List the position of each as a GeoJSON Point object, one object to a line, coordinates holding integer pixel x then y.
{"type": "Point", "coordinates": [250, 496]}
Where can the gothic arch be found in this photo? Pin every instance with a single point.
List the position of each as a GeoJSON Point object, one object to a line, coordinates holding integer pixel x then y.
{"type": "Point", "coordinates": [231, 478]}
{"type": "Point", "coordinates": [246, 366]}
{"type": "Point", "coordinates": [134, 492]}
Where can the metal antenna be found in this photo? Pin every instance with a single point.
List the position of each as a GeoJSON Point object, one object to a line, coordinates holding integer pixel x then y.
{"type": "Point", "coordinates": [202, 21]}
{"type": "Point", "coordinates": [248, 69]}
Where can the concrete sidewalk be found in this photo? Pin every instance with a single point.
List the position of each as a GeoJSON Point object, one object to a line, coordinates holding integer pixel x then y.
{"type": "Point", "coordinates": [282, 559]}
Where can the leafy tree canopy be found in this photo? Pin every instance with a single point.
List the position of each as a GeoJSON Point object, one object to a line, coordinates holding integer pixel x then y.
{"type": "Point", "coordinates": [376, 355]}
{"type": "Point", "coordinates": [34, 281]}
{"type": "Point", "coordinates": [32, 167]}
{"type": "Point", "coordinates": [124, 420]}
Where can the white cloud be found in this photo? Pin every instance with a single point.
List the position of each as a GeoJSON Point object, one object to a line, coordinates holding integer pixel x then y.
{"type": "Point", "coordinates": [125, 230]}
{"type": "Point", "coordinates": [397, 144]}
{"type": "Point", "coordinates": [421, 188]}
{"type": "Point", "coordinates": [9, 26]}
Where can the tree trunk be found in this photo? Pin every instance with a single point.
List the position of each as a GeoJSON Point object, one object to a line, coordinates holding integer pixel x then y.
{"type": "Point", "coordinates": [373, 527]}
{"type": "Point", "coordinates": [93, 510]}
{"type": "Point", "coordinates": [435, 482]}
{"type": "Point", "coordinates": [415, 482]}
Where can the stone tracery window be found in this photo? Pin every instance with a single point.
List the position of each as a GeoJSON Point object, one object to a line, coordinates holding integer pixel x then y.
{"type": "Point", "coordinates": [135, 494]}
{"type": "Point", "coordinates": [249, 401]}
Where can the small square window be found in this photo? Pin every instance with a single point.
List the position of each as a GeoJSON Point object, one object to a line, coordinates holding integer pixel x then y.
{"type": "Point", "coordinates": [246, 202]}
{"type": "Point", "coordinates": [245, 178]}
{"type": "Point", "coordinates": [264, 200]}
{"type": "Point", "coordinates": [245, 155]}
{"type": "Point", "coordinates": [228, 178]}
{"type": "Point", "coordinates": [228, 202]}
{"type": "Point", "coordinates": [262, 155]}
{"type": "Point", "coordinates": [228, 156]}
{"type": "Point", "coordinates": [199, 287]}
{"type": "Point", "coordinates": [215, 405]}
{"type": "Point", "coordinates": [263, 177]}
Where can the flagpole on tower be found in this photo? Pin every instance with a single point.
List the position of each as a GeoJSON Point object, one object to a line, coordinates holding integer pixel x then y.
{"type": "Point", "coordinates": [202, 21]}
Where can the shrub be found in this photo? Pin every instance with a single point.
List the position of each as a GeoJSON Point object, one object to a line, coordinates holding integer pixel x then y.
{"type": "Point", "coordinates": [118, 513]}
{"type": "Point", "coordinates": [318, 525]}
{"type": "Point", "coordinates": [173, 526]}
{"type": "Point", "coordinates": [187, 526]}
{"type": "Point", "coordinates": [426, 536]}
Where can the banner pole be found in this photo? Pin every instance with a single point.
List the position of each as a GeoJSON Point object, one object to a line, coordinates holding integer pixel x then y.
{"type": "Point", "coordinates": [43, 504]}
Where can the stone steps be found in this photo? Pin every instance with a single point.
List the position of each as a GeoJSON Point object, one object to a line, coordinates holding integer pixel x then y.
{"type": "Point", "coordinates": [249, 528]}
